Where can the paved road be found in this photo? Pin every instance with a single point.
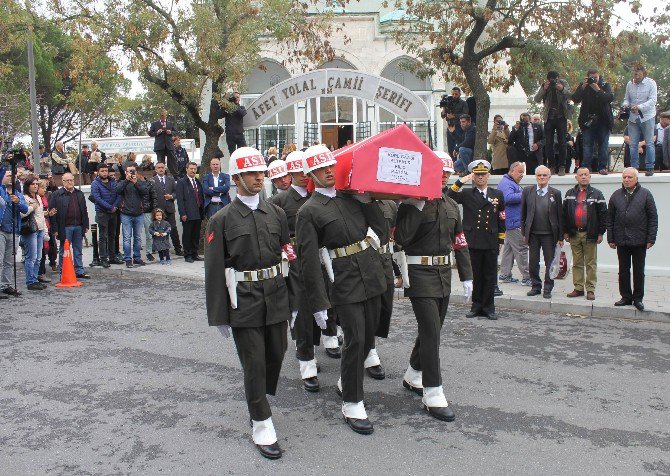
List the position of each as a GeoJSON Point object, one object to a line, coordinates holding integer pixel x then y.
{"type": "Point", "coordinates": [114, 379]}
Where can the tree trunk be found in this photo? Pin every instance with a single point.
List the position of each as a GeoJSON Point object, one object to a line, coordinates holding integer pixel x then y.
{"type": "Point", "coordinates": [471, 71]}
{"type": "Point", "coordinates": [212, 135]}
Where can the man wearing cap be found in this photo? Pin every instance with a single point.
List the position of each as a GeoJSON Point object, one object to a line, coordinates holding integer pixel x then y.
{"type": "Point", "coordinates": [428, 231]}
{"type": "Point", "coordinates": [340, 223]}
{"type": "Point", "coordinates": [215, 185]}
{"type": "Point", "coordinates": [244, 245]}
{"type": "Point", "coordinates": [484, 226]}
{"type": "Point", "coordinates": [278, 176]}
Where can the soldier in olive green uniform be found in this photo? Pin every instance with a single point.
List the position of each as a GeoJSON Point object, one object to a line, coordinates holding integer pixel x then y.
{"type": "Point", "coordinates": [340, 223]}
{"type": "Point", "coordinates": [428, 231]}
{"type": "Point", "coordinates": [246, 291]}
{"type": "Point", "coordinates": [390, 211]}
{"type": "Point", "coordinates": [484, 225]}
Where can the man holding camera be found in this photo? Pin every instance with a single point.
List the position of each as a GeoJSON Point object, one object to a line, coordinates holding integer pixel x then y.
{"type": "Point", "coordinates": [640, 103]}
{"type": "Point", "coordinates": [162, 130]}
{"type": "Point", "coordinates": [234, 128]}
{"type": "Point", "coordinates": [595, 119]}
{"type": "Point", "coordinates": [554, 93]}
{"type": "Point", "coordinates": [132, 216]}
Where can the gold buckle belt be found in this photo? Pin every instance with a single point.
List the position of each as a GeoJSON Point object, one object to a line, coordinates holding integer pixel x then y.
{"type": "Point", "coordinates": [349, 250]}
{"type": "Point", "coordinates": [259, 274]}
{"type": "Point", "coordinates": [293, 240]}
{"type": "Point", "coordinates": [387, 248]}
{"type": "Point", "coordinates": [429, 260]}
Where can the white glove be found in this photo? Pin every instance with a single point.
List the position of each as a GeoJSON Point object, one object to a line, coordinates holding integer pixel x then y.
{"type": "Point", "coordinates": [294, 314]}
{"type": "Point", "coordinates": [419, 204]}
{"type": "Point", "coordinates": [224, 330]}
{"type": "Point", "coordinates": [321, 317]}
{"type": "Point", "coordinates": [364, 197]}
{"type": "Point", "coordinates": [467, 290]}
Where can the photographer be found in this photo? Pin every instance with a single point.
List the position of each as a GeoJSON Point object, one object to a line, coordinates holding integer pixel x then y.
{"type": "Point", "coordinates": [465, 149]}
{"type": "Point", "coordinates": [233, 122]}
{"type": "Point", "coordinates": [640, 104]}
{"type": "Point", "coordinates": [453, 104]}
{"type": "Point", "coordinates": [554, 93]}
{"type": "Point", "coordinates": [132, 216]}
{"type": "Point", "coordinates": [595, 119]}
{"type": "Point", "coordinates": [498, 141]}
{"type": "Point", "coordinates": [10, 224]}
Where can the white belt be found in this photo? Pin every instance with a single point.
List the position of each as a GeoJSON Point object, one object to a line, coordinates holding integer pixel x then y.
{"type": "Point", "coordinates": [259, 274]}
{"type": "Point", "coordinates": [349, 250]}
{"type": "Point", "coordinates": [387, 248]}
{"type": "Point", "coordinates": [429, 260]}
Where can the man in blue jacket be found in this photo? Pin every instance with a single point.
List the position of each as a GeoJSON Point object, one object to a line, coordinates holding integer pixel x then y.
{"type": "Point", "coordinates": [9, 226]}
{"type": "Point", "coordinates": [465, 148]}
{"type": "Point", "coordinates": [215, 186]}
{"type": "Point", "coordinates": [106, 202]}
{"type": "Point", "coordinates": [515, 247]}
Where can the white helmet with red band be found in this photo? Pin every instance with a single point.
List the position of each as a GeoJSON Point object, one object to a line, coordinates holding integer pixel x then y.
{"type": "Point", "coordinates": [294, 161]}
{"type": "Point", "coordinates": [447, 162]}
{"type": "Point", "coordinates": [246, 159]}
{"type": "Point", "coordinates": [317, 157]}
{"type": "Point", "coordinates": [277, 169]}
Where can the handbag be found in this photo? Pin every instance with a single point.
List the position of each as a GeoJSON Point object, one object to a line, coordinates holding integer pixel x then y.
{"type": "Point", "coordinates": [28, 224]}
{"type": "Point", "coordinates": [72, 168]}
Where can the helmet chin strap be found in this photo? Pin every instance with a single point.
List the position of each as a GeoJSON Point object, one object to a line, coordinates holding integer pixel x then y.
{"type": "Point", "coordinates": [318, 182]}
{"type": "Point", "coordinates": [244, 185]}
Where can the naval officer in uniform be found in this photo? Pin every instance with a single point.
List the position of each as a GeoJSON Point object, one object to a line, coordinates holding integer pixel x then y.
{"type": "Point", "coordinates": [484, 225]}
{"type": "Point", "coordinates": [336, 227]}
{"type": "Point", "coordinates": [428, 231]}
{"type": "Point", "coordinates": [245, 289]}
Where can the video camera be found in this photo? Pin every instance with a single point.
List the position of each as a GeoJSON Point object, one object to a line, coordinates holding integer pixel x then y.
{"type": "Point", "coordinates": [624, 113]}
{"type": "Point", "coordinates": [448, 103]}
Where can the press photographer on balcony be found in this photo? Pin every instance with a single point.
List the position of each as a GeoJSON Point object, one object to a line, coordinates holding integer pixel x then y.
{"type": "Point", "coordinates": [554, 93]}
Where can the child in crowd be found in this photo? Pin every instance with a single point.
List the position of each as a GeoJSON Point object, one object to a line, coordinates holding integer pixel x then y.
{"type": "Point", "coordinates": [160, 229]}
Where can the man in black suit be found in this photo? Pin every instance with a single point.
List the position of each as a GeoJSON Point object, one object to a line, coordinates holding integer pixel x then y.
{"type": "Point", "coordinates": [234, 127]}
{"type": "Point", "coordinates": [166, 191]}
{"type": "Point", "coordinates": [526, 139]}
{"type": "Point", "coordinates": [190, 200]}
{"type": "Point", "coordinates": [162, 131]}
{"type": "Point", "coordinates": [541, 225]}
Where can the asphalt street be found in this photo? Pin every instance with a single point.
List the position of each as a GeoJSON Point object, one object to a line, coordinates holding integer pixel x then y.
{"type": "Point", "coordinates": [124, 376]}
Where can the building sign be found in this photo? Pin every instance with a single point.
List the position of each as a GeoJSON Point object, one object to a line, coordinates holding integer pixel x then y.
{"type": "Point", "coordinates": [399, 166]}
{"type": "Point", "coordinates": [137, 144]}
{"type": "Point", "coordinates": [337, 82]}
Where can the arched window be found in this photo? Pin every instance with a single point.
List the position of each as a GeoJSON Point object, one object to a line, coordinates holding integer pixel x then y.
{"type": "Point", "coordinates": [400, 71]}
{"type": "Point", "coordinates": [267, 74]}
{"type": "Point", "coordinates": [337, 63]}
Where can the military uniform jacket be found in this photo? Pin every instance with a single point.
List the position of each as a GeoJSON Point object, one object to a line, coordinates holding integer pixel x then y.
{"type": "Point", "coordinates": [246, 240]}
{"type": "Point", "coordinates": [290, 201]}
{"type": "Point", "coordinates": [434, 231]}
{"type": "Point", "coordinates": [483, 218]}
{"type": "Point", "coordinates": [390, 211]}
{"type": "Point", "coordinates": [333, 223]}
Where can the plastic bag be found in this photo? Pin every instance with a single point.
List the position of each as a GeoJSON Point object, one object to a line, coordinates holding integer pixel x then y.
{"type": "Point", "coordinates": [559, 265]}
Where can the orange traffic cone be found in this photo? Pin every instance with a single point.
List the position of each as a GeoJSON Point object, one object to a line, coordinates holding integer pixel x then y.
{"type": "Point", "coordinates": [68, 279]}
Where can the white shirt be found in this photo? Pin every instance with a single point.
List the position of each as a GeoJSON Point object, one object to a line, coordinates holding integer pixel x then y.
{"type": "Point", "coordinates": [660, 133]}
{"type": "Point", "coordinates": [531, 136]}
{"type": "Point", "coordinates": [328, 192]}
{"type": "Point", "coordinates": [484, 192]}
{"type": "Point", "coordinates": [643, 95]}
{"type": "Point", "coordinates": [250, 201]}
{"type": "Point", "coordinates": [301, 190]}
{"type": "Point", "coordinates": [216, 199]}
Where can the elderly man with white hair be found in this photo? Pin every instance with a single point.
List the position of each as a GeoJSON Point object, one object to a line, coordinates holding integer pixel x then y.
{"type": "Point", "coordinates": [59, 159]}
{"type": "Point", "coordinates": [632, 224]}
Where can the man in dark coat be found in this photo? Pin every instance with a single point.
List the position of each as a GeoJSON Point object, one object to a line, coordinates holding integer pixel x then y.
{"type": "Point", "coordinates": [428, 231]}
{"type": "Point", "coordinates": [632, 225]}
{"type": "Point", "coordinates": [542, 228]}
{"type": "Point", "coordinates": [234, 128]}
{"type": "Point", "coordinates": [190, 202]}
{"type": "Point", "coordinates": [526, 140]}
{"type": "Point", "coordinates": [166, 194]}
{"type": "Point", "coordinates": [162, 130]}
{"type": "Point", "coordinates": [341, 224]}
{"type": "Point", "coordinates": [244, 245]}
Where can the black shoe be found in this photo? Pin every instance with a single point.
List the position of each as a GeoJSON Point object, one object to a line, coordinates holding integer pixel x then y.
{"type": "Point", "coordinates": [648, 173]}
{"type": "Point", "coordinates": [11, 291]}
{"type": "Point", "coordinates": [376, 372]}
{"type": "Point", "coordinates": [43, 279]}
{"type": "Point", "coordinates": [139, 262]}
{"type": "Point", "coordinates": [129, 264]}
{"type": "Point", "coordinates": [272, 451]}
{"type": "Point", "coordinates": [623, 302]}
{"type": "Point", "coordinates": [179, 252]}
{"type": "Point", "coordinates": [36, 286]}
{"type": "Point", "coordinates": [546, 294]}
{"type": "Point", "coordinates": [364, 426]}
{"type": "Point", "coordinates": [116, 261]}
{"type": "Point", "coordinates": [84, 276]}
{"type": "Point", "coordinates": [497, 291]}
{"type": "Point", "coordinates": [534, 292]}
{"type": "Point", "coordinates": [150, 257]}
{"type": "Point", "coordinates": [188, 259]}
{"type": "Point", "coordinates": [472, 314]}
{"type": "Point", "coordinates": [492, 316]}
{"type": "Point", "coordinates": [311, 384]}
{"type": "Point", "coordinates": [408, 386]}
{"type": "Point", "coordinates": [334, 353]}
{"type": "Point", "coordinates": [105, 263]}
{"type": "Point", "coordinates": [638, 305]}
{"type": "Point", "coordinates": [198, 258]}
{"type": "Point", "coordinates": [441, 413]}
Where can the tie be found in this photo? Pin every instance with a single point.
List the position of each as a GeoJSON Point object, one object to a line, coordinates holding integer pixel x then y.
{"type": "Point", "coordinates": [540, 193]}
{"type": "Point", "coordinates": [163, 124]}
{"type": "Point", "coordinates": [483, 194]}
{"type": "Point", "coordinates": [163, 180]}
{"type": "Point", "coordinates": [195, 189]}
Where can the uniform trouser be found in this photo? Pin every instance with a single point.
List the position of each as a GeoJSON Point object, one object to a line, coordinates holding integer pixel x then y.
{"type": "Point", "coordinates": [261, 352]}
{"type": "Point", "coordinates": [639, 255]}
{"type": "Point", "coordinates": [359, 322]}
{"type": "Point", "coordinates": [307, 335]}
{"type": "Point", "coordinates": [515, 249]}
{"type": "Point", "coordinates": [387, 302]}
{"type": "Point", "coordinates": [106, 234]}
{"type": "Point", "coordinates": [425, 357]}
{"type": "Point", "coordinates": [484, 268]}
{"type": "Point", "coordinates": [191, 237]}
{"type": "Point", "coordinates": [584, 256]}
{"type": "Point", "coordinates": [548, 246]}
